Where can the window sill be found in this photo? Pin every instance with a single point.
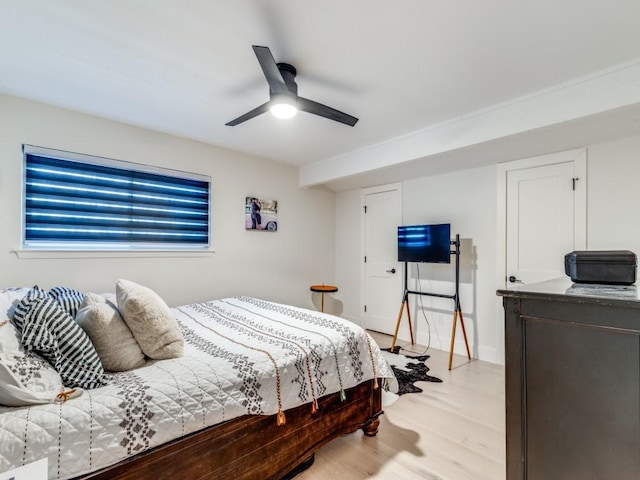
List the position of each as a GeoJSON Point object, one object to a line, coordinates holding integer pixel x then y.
{"type": "Point", "coordinates": [31, 254]}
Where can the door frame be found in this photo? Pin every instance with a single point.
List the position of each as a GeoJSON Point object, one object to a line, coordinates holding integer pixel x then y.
{"type": "Point", "coordinates": [363, 231]}
{"type": "Point", "coordinates": [579, 157]}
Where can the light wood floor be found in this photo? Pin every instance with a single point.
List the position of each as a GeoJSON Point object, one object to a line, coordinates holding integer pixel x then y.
{"type": "Point", "coordinates": [453, 430]}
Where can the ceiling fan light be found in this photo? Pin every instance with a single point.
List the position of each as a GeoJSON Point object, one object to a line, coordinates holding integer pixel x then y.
{"type": "Point", "coordinates": [283, 107]}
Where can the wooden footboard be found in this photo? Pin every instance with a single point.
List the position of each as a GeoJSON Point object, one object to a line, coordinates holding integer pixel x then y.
{"type": "Point", "coordinates": [254, 447]}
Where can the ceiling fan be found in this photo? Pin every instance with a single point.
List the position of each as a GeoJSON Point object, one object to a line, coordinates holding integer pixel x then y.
{"type": "Point", "coordinates": [284, 101]}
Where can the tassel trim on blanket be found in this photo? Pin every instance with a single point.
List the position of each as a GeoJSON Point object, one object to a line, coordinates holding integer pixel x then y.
{"type": "Point", "coordinates": [65, 395]}
{"type": "Point", "coordinates": [281, 418]}
{"type": "Point", "coordinates": [373, 363]}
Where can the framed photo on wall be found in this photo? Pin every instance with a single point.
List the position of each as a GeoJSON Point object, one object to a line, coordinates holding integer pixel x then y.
{"type": "Point", "coordinates": [260, 214]}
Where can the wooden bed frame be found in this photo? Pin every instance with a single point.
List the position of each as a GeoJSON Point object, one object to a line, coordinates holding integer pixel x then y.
{"type": "Point", "coordinates": [254, 447]}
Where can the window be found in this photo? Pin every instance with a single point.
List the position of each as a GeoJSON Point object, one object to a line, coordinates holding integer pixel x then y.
{"type": "Point", "coordinates": [81, 202]}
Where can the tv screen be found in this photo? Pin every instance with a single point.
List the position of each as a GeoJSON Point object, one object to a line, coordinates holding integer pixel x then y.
{"type": "Point", "coordinates": [424, 243]}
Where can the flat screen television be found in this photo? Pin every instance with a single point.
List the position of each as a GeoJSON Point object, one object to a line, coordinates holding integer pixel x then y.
{"type": "Point", "coordinates": [424, 243]}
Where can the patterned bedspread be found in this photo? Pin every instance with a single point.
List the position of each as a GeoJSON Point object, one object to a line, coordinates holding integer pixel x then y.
{"type": "Point", "coordinates": [242, 356]}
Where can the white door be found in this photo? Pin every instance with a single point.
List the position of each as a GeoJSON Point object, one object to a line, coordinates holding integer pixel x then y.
{"type": "Point", "coordinates": [544, 217]}
{"type": "Point", "coordinates": [382, 271]}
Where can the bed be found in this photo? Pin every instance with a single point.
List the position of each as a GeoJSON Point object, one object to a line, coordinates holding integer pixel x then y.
{"type": "Point", "coordinates": [259, 388]}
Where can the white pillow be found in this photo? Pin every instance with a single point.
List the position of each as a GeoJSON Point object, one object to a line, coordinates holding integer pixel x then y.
{"type": "Point", "coordinates": [14, 394]}
{"type": "Point", "coordinates": [25, 377]}
{"type": "Point", "coordinates": [150, 319]}
{"type": "Point", "coordinates": [8, 298]}
{"type": "Point", "coordinates": [111, 337]}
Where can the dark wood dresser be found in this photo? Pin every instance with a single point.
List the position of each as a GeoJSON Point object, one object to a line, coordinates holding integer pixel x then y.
{"type": "Point", "coordinates": [572, 366]}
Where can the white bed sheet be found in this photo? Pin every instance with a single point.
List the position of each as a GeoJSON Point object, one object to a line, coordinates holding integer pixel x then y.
{"type": "Point", "coordinates": [242, 356]}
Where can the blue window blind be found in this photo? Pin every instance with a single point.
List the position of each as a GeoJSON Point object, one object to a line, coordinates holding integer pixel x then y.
{"type": "Point", "coordinates": [96, 203]}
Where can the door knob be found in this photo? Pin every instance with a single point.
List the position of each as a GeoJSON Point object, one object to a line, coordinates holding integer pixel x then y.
{"type": "Point", "coordinates": [513, 279]}
{"type": "Point", "coordinates": [393, 270]}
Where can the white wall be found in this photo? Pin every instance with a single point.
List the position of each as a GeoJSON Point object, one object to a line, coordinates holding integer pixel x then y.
{"type": "Point", "coordinates": [349, 254]}
{"type": "Point", "coordinates": [613, 195]}
{"type": "Point", "coordinates": [278, 266]}
{"type": "Point", "coordinates": [468, 200]}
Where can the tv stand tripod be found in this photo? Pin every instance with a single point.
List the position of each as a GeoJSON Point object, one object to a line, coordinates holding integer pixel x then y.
{"type": "Point", "coordinates": [457, 310]}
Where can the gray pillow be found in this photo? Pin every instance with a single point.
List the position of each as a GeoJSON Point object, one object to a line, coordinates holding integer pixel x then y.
{"type": "Point", "coordinates": [113, 340]}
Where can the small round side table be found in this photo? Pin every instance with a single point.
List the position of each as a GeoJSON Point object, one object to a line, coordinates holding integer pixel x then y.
{"type": "Point", "coordinates": [323, 289]}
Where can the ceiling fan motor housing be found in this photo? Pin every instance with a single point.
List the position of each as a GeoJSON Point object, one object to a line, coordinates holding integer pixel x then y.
{"type": "Point", "coordinates": [288, 73]}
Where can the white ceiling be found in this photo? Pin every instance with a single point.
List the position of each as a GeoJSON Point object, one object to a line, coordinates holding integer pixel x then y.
{"type": "Point", "coordinates": [404, 66]}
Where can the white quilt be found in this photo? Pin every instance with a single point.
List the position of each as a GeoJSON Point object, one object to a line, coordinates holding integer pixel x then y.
{"type": "Point", "coordinates": [242, 356]}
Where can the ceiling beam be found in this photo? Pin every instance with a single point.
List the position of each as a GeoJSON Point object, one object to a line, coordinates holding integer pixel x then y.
{"type": "Point", "coordinates": [597, 96]}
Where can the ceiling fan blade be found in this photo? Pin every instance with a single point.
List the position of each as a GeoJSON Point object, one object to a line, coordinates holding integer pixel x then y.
{"type": "Point", "coordinates": [249, 115]}
{"type": "Point", "coordinates": [271, 71]}
{"type": "Point", "coordinates": [316, 108]}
